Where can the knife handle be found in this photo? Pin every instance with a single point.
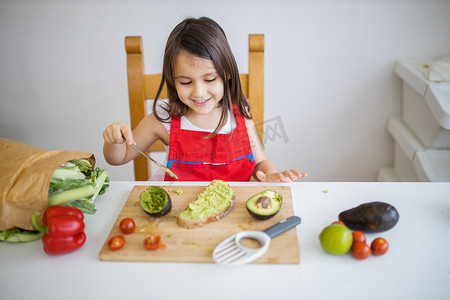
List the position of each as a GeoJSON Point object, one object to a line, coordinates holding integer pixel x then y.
{"type": "Point", "coordinates": [283, 226]}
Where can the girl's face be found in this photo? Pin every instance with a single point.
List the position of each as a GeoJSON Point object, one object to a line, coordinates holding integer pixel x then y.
{"type": "Point", "coordinates": [197, 82]}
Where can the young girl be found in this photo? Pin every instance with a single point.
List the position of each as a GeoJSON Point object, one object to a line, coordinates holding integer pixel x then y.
{"type": "Point", "coordinates": [206, 123]}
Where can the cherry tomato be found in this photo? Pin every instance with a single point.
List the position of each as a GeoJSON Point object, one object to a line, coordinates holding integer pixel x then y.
{"type": "Point", "coordinates": [116, 242]}
{"type": "Point", "coordinates": [360, 250]}
{"type": "Point", "coordinates": [339, 222]}
{"type": "Point", "coordinates": [153, 242]}
{"type": "Point", "coordinates": [379, 246]}
{"type": "Point", "coordinates": [127, 225]}
{"type": "Point", "coordinates": [359, 236]}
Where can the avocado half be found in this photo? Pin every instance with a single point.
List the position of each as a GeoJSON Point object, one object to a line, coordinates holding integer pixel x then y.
{"type": "Point", "coordinates": [264, 205]}
{"type": "Point", "coordinates": [155, 201]}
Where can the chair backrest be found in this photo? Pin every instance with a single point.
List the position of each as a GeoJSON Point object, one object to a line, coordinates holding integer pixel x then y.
{"type": "Point", "coordinates": [142, 87]}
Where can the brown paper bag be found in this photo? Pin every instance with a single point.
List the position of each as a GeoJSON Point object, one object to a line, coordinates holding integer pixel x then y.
{"type": "Point", "coordinates": [25, 176]}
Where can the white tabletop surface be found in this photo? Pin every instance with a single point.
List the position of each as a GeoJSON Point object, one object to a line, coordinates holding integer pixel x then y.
{"type": "Point", "coordinates": [417, 265]}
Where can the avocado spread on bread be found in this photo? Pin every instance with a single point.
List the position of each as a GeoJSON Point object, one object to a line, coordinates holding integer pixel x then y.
{"type": "Point", "coordinates": [216, 198]}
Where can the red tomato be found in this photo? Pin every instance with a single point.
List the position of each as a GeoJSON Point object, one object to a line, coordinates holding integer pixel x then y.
{"type": "Point", "coordinates": [116, 242]}
{"type": "Point", "coordinates": [360, 250]}
{"type": "Point", "coordinates": [127, 225]}
{"type": "Point", "coordinates": [153, 242]}
{"type": "Point", "coordinates": [379, 246]}
{"type": "Point", "coordinates": [359, 236]}
{"type": "Point", "coordinates": [339, 222]}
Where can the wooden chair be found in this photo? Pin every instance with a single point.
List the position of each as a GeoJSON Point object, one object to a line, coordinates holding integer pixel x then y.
{"type": "Point", "coordinates": [142, 87]}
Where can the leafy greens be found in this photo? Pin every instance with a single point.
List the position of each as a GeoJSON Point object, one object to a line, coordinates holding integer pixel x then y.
{"type": "Point", "coordinates": [17, 235]}
{"type": "Point", "coordinates": [77, 184]}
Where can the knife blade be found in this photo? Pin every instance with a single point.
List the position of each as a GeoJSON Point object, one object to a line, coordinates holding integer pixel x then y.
{"type": "Point", "coordinates": [166, 169]}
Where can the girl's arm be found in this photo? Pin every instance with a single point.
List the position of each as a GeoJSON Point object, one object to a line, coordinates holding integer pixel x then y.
{"type": "Point", "coordinates": [265, 170]}
{"type": "Point", "coordinates": [118, 138]}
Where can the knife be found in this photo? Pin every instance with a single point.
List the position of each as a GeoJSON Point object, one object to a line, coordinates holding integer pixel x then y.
{"type": "Point", "coordinates": [166, 169]}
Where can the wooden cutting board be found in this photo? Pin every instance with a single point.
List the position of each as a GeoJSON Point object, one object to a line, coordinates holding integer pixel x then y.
{"type": "Point", "coordinates": [196, 245]}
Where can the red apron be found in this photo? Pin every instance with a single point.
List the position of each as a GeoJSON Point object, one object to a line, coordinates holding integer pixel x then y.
{"type": "Point", "coordinates": [224, 156]}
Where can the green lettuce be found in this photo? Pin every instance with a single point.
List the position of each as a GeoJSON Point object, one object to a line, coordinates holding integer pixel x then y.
{"type": "Point", "coordinates": [17, 235]}
{"type": "Point", "coordinates": [77, 184]}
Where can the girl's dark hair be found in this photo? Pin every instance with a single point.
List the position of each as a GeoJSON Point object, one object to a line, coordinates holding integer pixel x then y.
{"type": "Point", "coordinates": [205, 38]}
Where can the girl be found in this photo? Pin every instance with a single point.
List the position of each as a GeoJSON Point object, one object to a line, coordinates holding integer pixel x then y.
{"type": "Point", "coordinates": [206, 123]}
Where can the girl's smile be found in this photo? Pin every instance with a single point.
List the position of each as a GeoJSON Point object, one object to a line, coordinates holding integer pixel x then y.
{"type": "Point", "coordinates": [200, 102]}
{"type": "Point", "coordinates": [200, 87]}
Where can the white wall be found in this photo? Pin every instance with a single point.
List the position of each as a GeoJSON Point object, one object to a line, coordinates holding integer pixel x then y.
{"type": "Point", "coordinates": [329, 71]}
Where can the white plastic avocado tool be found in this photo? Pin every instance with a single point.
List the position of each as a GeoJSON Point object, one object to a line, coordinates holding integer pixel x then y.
{"type": "Point", "coordinates": [232, 252]}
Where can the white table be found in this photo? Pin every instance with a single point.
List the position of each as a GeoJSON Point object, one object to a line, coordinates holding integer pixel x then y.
{"type": "Point", "coordinates": [417, 265]}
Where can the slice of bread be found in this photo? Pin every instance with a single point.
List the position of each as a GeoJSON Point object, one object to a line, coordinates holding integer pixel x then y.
{"type": "Point", "coordinates": [211, 205]}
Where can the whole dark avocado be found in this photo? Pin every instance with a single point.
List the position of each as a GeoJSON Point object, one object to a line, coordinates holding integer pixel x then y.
{"type": "Point", "coordinates": [264, 205]}
{"type": "Point", "coordinates": [155, 201]}
{"type": "Point", "coordinates": [370, 217]}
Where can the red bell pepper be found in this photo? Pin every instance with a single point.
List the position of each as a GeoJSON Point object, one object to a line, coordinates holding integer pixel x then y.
{"type": "Point", "coordinates": [63, 227]}
{"type": "Point", "coordinates": [61, 210]}
{"type": "Point", "coordinates": [55, 245]}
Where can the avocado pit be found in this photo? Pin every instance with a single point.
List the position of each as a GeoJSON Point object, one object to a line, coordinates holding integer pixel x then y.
{"type": "Point", "coordinates": [263, 202]}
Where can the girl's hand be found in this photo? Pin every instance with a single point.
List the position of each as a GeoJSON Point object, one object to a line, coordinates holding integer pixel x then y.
{"type": "Point", "coordinates": [285, 176]}
{"type": "Point", "coordinates": [118, 133]}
